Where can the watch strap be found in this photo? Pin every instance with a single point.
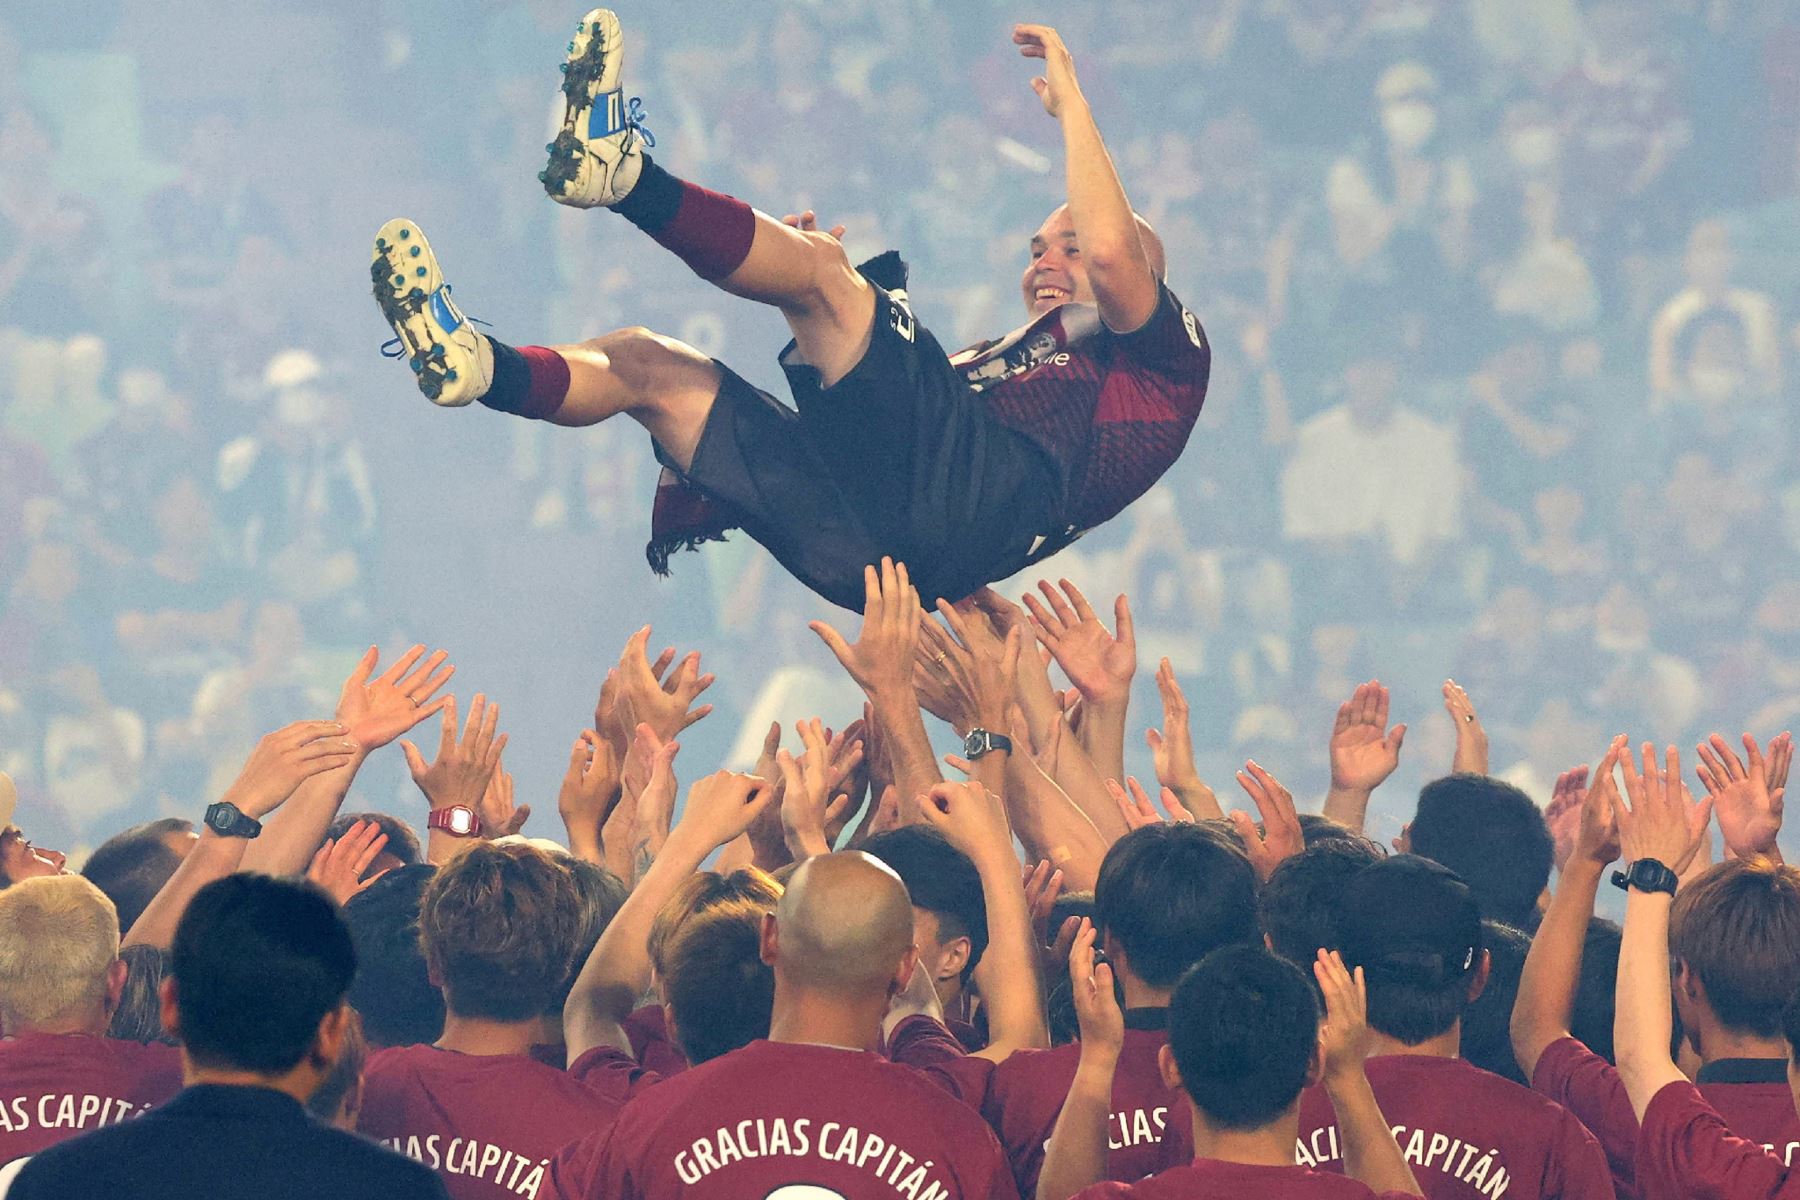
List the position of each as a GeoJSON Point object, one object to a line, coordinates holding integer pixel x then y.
{"type": "Point", "coordinates": [981, 742]}
{"type": "Point", "coordinates": [445, 818]}
{"type": "Point", "coordinates": [1647, 875]}
{"type": "Point", "coordinates": [227, 820]}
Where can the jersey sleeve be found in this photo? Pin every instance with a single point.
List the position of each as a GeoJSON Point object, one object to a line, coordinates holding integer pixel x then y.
{"type": "Point", "coordinates": [611, 1073]}
{"type": "Point", "coordinates": [1685, 1150]}
{"type": "Point", "coordinates": [1589, 1087]}
{"type": "Point", "coordinates": [1582, 1166]}
{"type": "Point", "coordinates": [928, 1047]}
{"type": "Point", "coordinates": [1170, 343]}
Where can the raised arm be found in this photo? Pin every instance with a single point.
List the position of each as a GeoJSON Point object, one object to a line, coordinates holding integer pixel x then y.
{"type": "Point", "coordinates": [1370, 1152]}
{"type": "Point", "coordinates": [1106, 230]}
{"type": "Point", "coordinates": [1172, 750]}
{"type": "Point", "coordinates": [459, 776]}
{"type": "Point", "coordinates": [881, 661]}
{"type": "Point", "coordinates": [617, 973]}
{"type": "Point", "coordinates": [1075, 1156]}
{"type": "Point", "coordinates": [1660, 824]}
{"type": "Point", "coordinates": [1364, 752]}
{"type": "Point", "coordinates": [1053, 827]}
{"type": "Point", "coordinates": [376, 709]}
{"type": "Point", "coordinates": [1747, 799]}
{"type": "Point", "coordinates": [1099, 663]}
{"type": "Point", "coordinates": [974, 821]}
{"type": "Point", "coordinates": [280, 764]}
{"type": "Point", "coordinates": [1545, 1006]}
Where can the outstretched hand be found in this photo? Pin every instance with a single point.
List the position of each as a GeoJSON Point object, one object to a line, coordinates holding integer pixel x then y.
{"type": "Point", "coordinates": [460, 773]}
{"type": "Point", "coordinates": [1057, 86]}
{"type": "Point", "coordinates": [378, 709]}
{"type": "Point", "coordinates": [881, 660]}
{"type": "Point", "coordinates": [1662, 821]}
{"type": "Point", "coordinates": [1748, 807]}
{"type": "Point", "coordinates": [1097, 661]}
{"type": "Point", "coordinates": [1364, 751]}
{"type": "Point", "coordinates": [808, 222]}
{"type": "Point", "coordinates": [339, 865]}
{"type": "Point", "coordinates": [285, 759]}
{"type": "Point", "coordinates": [1280, 837]}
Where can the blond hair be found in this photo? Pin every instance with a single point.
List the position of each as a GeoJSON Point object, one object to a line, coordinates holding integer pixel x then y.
{"type": "Point", "coordinates": [59, 935]}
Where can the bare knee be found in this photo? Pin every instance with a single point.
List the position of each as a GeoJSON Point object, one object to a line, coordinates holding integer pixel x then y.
{"type": "Point", "coordinates": [836, 285]}
{"type": "Point", "coordinates": [650, 364]}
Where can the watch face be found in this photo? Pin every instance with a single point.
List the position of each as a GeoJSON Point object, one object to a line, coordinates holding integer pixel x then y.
{"type": "Point", "coordinates": [221, 818]}
{"type": "Point", "coordinates": [462, 822]}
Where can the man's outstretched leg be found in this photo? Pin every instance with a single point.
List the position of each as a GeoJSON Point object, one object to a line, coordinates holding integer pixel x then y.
{"type": "Point", "coordinates": [598, 160]}
{"type": "Point", "coordinates": [666, 386]}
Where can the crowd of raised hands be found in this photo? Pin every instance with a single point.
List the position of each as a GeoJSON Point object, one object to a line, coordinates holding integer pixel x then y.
{"type": "Point", "coordinates": [1056, 900]}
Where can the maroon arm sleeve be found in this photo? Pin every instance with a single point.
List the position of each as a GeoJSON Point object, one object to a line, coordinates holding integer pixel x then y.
{"type": "Point", "coordinates": [1589, 1087]}
{"type": "Point", "coordinates": [1685, 1152]}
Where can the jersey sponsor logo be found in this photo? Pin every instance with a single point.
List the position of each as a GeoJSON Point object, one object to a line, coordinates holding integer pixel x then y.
{"type": "Point", "coordinates": [516, 1173]}
{"type": "Point", "coordinates": [1478, 1167]}
{"type": "Point", "coordinates": [65, 1110]}
{"type": "Point", "coordinates": [801, 1138]}
{"type": "Point", "coordinates": [1193, 329]}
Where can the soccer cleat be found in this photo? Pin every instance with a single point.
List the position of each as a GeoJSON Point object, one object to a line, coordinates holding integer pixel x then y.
{"type": "Point", "coordinates": [453, 363]}
{"type": "Point", "coordinates": [596, 158]}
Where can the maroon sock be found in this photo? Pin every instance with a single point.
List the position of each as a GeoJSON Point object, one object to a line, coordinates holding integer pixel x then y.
{"type": "Point", "coordinates": [529, 381]}
{"type": "Point", "coordinates": [708, 231]}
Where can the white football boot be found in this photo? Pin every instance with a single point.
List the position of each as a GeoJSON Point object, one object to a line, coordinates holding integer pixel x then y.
{"type": "Point", "coordinates": [597, 157]}
{"type": "Point", "coordinates": [453, 363]}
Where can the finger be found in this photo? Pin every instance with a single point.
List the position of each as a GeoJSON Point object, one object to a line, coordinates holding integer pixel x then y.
{"type": "Point", "coordinates": [1246, 828]}
{"type": "Point", "coordinates": [1734, 766]}
{"type": "Point", "coordinates": [1065, 613]}
{"type": "Point", "coordinates": [1123, 630]}
{"type": "Point", "coordinates": [369, 854]}
{"type": "Point", "coordinates": [1177, 811]}
{"type": "Point", "coordinates": [365, 667]}
{"type": "Point", "coordinates": [834, 641]}
{"type": "Point", "coordinates": [402, 665]}
{"type": "Point", "coordinates": [837, 231]}
{"type": "Point", "coordinates": [447, 731]}
{"type": "Point", "coordinates": [1756, 768]}
{"type": "Point", "coordinates": [415, 762]}
{"type": "Point", "coordinates": [958, 763]}
{"type": "Point", "coordinates": [410, 685]}
{"type": "Point", "coordinates": [1083, 610]}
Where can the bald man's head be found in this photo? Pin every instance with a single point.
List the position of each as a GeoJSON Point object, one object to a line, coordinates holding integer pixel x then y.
{"type": "Point", "coordinates": [843, 926]}
{"type": "Point", "coordinates": [1055, 273]}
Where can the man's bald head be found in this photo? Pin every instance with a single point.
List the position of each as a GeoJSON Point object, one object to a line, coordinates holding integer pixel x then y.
{"type": "Point", "coordinates": [1056, 273]}
{"type": "Point", "coordinates": [844, 925]}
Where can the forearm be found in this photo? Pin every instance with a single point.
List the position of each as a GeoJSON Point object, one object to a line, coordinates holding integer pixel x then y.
{"type": "Point", "coordinates": [294, 833]}
{"type": "Point", "coordinates": [213, 857]}
{"type": "Point", "coordinates": [1085, 787]}
{"type": "Point", "coordinates": [905, 742]}
{"type": "Point", "coordinates": [617, 972]}
{"type": "Point", "coordinates": [1546, 1000]}
{"type": "Point", "coordinates": [1052, 829]}
{"type": "Point", "coordinates": [1102, 736]}
{"type": "Point", "coordinates": [1105, 226]}
{"type": "Point", "coordinates": [584, 842]}
{"type": "Point", "coordinates": [1642, 1024]}
{"type": "Point", "coordinates": [1007, 975]}
{"type": "Point", "coordinates": [1370, 1153]}
{"type": "Point", "coordinates": [1075, 1157]}
{"type": "Point", "coordinates": [1348, 806]}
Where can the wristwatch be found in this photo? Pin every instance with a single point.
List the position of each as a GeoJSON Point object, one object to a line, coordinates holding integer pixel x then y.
{"type": "Point", "coordinates": [1646, 875]}
{"type": "Point", "coordinates": [458, 820]}
{"type": "Point", "coordinates": [981, 743]}
{"type": "Point", "coordinates": [226, 820]}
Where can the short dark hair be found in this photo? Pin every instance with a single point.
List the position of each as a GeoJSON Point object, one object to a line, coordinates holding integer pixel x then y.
{"type": "Point", "coordinates": [498, 925]}
{"type": "Point", "coordinates": [1170, 894]}
{"type": "Point", "coordinates": [131, 867]}
{"type": "Point", "coordinates": [1486, 1033]}
{"type": "Point", "coordinates": [1737, 928]}
{"type": "Point", "coordinates": [139, 1015]}
{"type": "Point", "coordinates": [1298, 904]}
{"type": "Point", "coordinates": [392, 989]}
{"type": "Point", "coordinates": [346, 1073]}
{"type": "Point", "coordinates": [258, 962]}
{"type": "Point", "coordinates": [1059, 1003]}
{"type": "Point", "coordinates": [1596, 990]}
{"type": "Point", "coordinates": [1415, 929]}
{"type": "Point", "coordinates": [1494, 836]}
{"type": "Point", "coordinates": [1317, 827]}
{"type": "Point", "coordinates": [700, 892]}
{"type": "Point", "coordinates": [718, 987]}
{"type": "Point", "coordinates": [940, 879]}
{"type": "Point", "coordinates": [1243, 1026]}
{"type": "Point", "coordinates": [1790, 1026]}
{"type": "Point", "coordinates": [602, 894]}
{"type": "Point", "coordinates": [402, 839]}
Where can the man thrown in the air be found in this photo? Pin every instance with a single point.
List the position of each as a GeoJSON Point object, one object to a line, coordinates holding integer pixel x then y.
{"type": "Point", "coordinates": [967, 467]}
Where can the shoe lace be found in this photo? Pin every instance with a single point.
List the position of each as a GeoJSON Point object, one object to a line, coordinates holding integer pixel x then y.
{"type": "Point", "coordinates": [394, 347]}
{"type": "Point", "coordinates": [634, 120]}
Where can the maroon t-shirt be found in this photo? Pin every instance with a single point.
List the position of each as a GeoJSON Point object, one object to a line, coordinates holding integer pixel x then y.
{"type": "Point", "coordinates": [1468, 1134]}
{"type": "Point", "coordinates": [1685, 1151]}
{"type": "Point", "coordinates": [1149, 1129]}
{"type": "Point", "coordinates": [1112, 410]}
{"type": "Point", "coordinates": [487, 1124]}
{"type": "Point", "coordinates": [56, 1085]}
{"type": "Point", "coordinates": [1213, 1179]}
{"type": "Point", "coordinates": [648, 1029]}
{"type": "Point", "coordinates": [613, 1073]}
{"type": "Point", "coordinates": [775, 1115]}
{"type": "Point", "coordinates": [1750, 1094]}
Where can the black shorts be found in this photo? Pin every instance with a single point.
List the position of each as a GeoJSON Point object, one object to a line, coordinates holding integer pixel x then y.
{"type": "Point", "coordinates": [898, 458]}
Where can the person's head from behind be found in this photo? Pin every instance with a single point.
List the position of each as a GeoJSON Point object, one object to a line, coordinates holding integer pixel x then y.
{"type": "Point", "coordinates": [139, 1015]}
{"type": "Point", "coordinates": [1486, 1032]}
{"type": "Point", "coordinates": [702, 892]}
{"type": "Point", "coordinates": [1298, 905]}
{"type": "Point", "coordinates": [59, 957]}
{"type": "Point", "coordinates": [259, 971]}
{"type": "Point", "coordinates": [1734, 940]}
{"type": "Point", "coordinates": [1243, 1038]}
{"type": "Point", "coordinates": [1167, 896]}
{"type": "Point", "coordinates": [1415, 929]}
{"type": "Point", "coordinates": [719, 993]}
{"type": "Point", "coordinates": [498, 925]}
{"type": "Point", "coordinates": [131, 867]}
{"type": "Point", "coordinates": [393, 991]}
{"type": "Point", "coordinates": [1055, 271]}
{"type": "Point", "coordinates": [841, 935]}
{"type": "Point", "coordinates": [949, 914]}
{"type": "Point", "coordinates": [601, 894]}
{"type": "Point", "coordinates": [1492, 835]}
{"type": "Point", "coordinates": [402, 849]}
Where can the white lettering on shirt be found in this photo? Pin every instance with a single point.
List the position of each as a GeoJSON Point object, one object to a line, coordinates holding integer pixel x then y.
{"type": "Point", "coordinates": [64, 1110]}
{"type": "Point", "coordinates": [1422, 1148]}
{"type": "Point", "coordinates": [779, 1137]}
{"type": "Point", "coordinates": [519, 1174]}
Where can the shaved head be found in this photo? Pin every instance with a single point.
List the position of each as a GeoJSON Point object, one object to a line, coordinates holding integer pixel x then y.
{"type": "Point", "coordinates": [1055, 273]}
{"type": "Point", "coordinates": [844, 925]}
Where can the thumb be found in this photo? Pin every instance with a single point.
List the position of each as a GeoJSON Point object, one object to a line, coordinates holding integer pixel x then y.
{"type": "Point", "coordinates": [834, 641]}
{"type": "Point", "coordinates": [1395, 736]}
{"type": "Point", "coordinates": [1154, 739]}
{"type": "Point", "coordinates": [415, 762]}
{"type": "Point", "coordinates": [520, 815]}
{"type": "Point", "coordinates": [1240, 820]}
{"type": "Point", "coordinates": [1040, 85]}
